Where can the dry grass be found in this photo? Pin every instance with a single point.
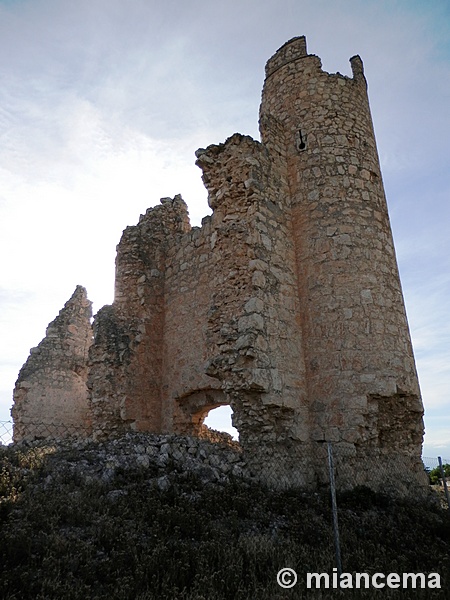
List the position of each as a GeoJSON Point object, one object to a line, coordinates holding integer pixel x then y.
{"type": "Point", "coordinates": [73, 538]}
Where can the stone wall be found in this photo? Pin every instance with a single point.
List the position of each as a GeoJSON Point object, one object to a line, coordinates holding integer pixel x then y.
{"type": "Point", "coordinates": [51, 395]}
{"type": "Point", "coordinates": [207, 316]}
{"type": "Point", "coordinates": [285, 304]}
{"type": "Point", "coordinates": [361, 375]}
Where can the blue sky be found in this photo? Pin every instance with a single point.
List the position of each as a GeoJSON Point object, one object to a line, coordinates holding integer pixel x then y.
{"type": "Point", "coordinates": [104, 102]}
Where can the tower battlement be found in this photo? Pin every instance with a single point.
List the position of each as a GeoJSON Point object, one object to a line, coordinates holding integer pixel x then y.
{"type": "Point", "coordinates": [289, 52]}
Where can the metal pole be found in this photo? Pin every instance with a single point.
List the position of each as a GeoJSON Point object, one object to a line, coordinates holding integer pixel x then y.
{"type": "Point", "coordinates": [444, 481]}
{"type": "Point", "coordinates": [337, 543]}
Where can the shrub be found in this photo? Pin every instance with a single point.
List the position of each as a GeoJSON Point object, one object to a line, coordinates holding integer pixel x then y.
{"type": "Point", "coordinates": [435, 474]}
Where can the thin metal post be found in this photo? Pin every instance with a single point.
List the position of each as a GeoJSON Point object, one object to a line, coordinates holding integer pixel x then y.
{"type": "Point", "coordinates": [337, 543]}
{"type": "Point", "coordinates": [444, 481]}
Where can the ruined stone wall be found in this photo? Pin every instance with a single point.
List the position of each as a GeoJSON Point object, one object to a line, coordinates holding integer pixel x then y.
{"type": "Point", "coordinates": [286, 303]}
{"type": "Point", "coordinates": [253, 333]}
{"type": "Point", "coordinates": [126, 361]}
{"type": "Point", "coordinates": [206, 316]}
{"type": "Point", "coordinates": [50, 396]}
{"type": "Point", "coordinates": [187, 391]}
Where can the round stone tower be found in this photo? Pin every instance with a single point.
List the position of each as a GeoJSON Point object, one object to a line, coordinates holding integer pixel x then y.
{"type": "Point", "coordinates": [362, 386]}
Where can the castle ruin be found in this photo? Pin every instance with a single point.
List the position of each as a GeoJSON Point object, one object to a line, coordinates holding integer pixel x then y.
{"type": "Point", "coordinates": [285, 304]}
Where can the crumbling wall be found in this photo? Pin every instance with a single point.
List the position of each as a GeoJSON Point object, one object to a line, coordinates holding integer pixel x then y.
{"type": "Point", "coordinates": [206, 316]}
{"type": "Point", "coordinates": [126, 360]}
{"type": "Point", "coordinates": [188, 392]}
{"type": "Point", "coordinates": [253, 328]}
{"type": "Point", "coordinates": [285, 304]}
{"type": "Point", "coordinates": [50, 396]}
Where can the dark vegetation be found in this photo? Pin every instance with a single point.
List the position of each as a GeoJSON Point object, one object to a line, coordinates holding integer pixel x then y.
{"type": "Point", "coordinates": [435, 474]}
{"type": "Point", "coordinates": [66, 537]}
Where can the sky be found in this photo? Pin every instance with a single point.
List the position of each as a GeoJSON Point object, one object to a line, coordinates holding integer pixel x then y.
{"type": "Point", "coordinates": [104, 102]}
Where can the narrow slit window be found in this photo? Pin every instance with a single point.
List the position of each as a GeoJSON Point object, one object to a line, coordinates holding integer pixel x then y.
{"type": "Point", "coordinates": [301, 140]}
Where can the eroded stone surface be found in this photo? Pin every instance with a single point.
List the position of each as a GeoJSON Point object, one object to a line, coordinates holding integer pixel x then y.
{"type": "Point", "coordinates": [51, 396]}
{"type": "Point", "coordinates": [285, 304]}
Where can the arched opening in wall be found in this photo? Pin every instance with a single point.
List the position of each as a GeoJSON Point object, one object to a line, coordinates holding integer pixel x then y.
{"type": "Point", "coordinates": [220, 419]}
{"type": "Point", "coordinates": [206, 414]}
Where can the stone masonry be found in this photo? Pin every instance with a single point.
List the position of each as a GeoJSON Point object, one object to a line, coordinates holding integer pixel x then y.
{"type": "Point", "coordinates": [51, 397]}
{"type": "Point", "coordinates": [285, 304]}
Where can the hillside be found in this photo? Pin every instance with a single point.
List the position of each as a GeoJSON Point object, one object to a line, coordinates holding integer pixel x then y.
{"type": "Point", "coordinates": [154, 518]}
